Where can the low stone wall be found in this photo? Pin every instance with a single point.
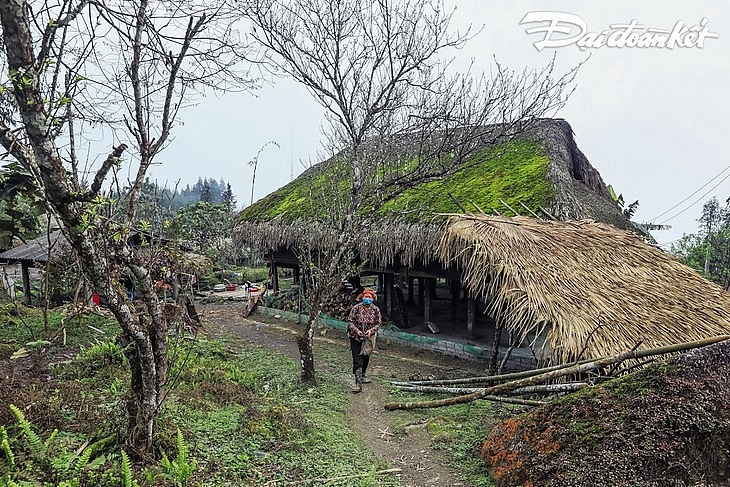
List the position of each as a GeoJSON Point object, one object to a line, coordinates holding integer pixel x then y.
{"type": "Point", "coordinates": [467, 351]}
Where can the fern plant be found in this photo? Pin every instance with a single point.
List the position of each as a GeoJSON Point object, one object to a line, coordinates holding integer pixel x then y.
{"type": "Point", "coordinates": [180, 469]}
{"type": "Point", "coordinates": [37, 447]}
{"type": "Point", "coordinates": [5, 446]}
{"type": "Point", "coordinates": [127, 478]}
{"type": "Point", "coordinates": [57, 465]}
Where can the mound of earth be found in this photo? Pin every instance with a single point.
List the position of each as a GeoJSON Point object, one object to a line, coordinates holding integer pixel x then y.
{"type": "Point", "coordinates": [665, 425]}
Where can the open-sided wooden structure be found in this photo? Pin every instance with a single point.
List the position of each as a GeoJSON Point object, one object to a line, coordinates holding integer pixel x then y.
{"type": "Point", "coordinates": [31, 253]}
{"type": "Point", "coordinates": [586, 287]}
{"type": "Point", "coordinates": [542, 175]}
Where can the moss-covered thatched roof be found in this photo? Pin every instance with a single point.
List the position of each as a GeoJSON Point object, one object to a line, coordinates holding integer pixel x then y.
{"type": "Point", "coordinates": [584, 286]}
{"type": "Point", "coordinates": [540, 169]}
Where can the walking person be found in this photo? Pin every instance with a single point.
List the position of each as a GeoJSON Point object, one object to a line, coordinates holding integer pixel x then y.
{"type": "Point", "coordinates": [363, 323]}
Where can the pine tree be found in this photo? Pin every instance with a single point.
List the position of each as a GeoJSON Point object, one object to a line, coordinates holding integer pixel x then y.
{"type": "Point", "coordinates": [229, 199]}
{"type": "Point", "coordinates": [205, 193]}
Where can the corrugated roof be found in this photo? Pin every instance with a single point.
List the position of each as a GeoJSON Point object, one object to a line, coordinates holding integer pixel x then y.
{"type": "Point", "coordinates": [36, 249]}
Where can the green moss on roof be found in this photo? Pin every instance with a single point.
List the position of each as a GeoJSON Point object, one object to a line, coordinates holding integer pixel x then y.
{"type": "Point", "coordinates": [514, 172]}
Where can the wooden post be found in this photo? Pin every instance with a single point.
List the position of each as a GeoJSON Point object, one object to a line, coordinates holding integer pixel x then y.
{"type": "Point", "coordinates": [388, 294]}
{"type": "Point", "coordinates": [494, 359]}
{"type": "Point", "coordinates": [421, 294]}
{"type": "Point", "coordinates": [274, 274]}
{"type": "Point", "coordinates": [429, 285]}
{"type": "Point", "coordinates": [455, 291]}
{"type": "Point", "coordinates": [471, 316]}
{"type": "Point", "coordinates": [297, 275]}
{"type": "Point", "coordinates": [24, 265]}
{"type": "Point", "coordinates": [410, 281]}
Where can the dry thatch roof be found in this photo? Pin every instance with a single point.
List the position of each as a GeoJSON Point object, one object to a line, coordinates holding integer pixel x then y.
{"type": "Point", "coordinates": [583, 284]}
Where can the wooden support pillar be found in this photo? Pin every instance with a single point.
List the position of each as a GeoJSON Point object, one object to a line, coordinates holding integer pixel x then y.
{"type": "Point", "coordinates": [274, 274]}
{"type": "Point", "coordinates": [380, 283]}
{"type": "Point", "coordinates": [429, 287]}
{"type": "Point", "coordinates": [24, 265]}
{"type": "Point", "coordinates": [388, 294]}
{"type": "Point", "coordinates": [297, 274]}
{"type": "Point", "coordinates": [471, 316]}
{"type": "Point", "coordinates": [493, 361]}
{"type": "Point", "coordinates": [410, 281]}
{"type": "Point", "coordinates": [421, 294]}
{"type": "Point", "coordinates": [455, 291]}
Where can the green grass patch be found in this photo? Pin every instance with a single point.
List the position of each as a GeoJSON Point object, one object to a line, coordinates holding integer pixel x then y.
{"type": "Point", "coordinates": [249, 421]}
{"type": "Point", "coordinates": [31, 328]}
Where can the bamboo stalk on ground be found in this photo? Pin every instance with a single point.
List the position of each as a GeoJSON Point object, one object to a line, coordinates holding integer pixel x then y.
{"type": "Point", "coordinates": [537, 379]}
{"type": "Point", "coordinates": [487, 379]}
{"type": "Point", "coordinates": [538, 389]}
{"type": "Point", "coordinates": [508, 400]}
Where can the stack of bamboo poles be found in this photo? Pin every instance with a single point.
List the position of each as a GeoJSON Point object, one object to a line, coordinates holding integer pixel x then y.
{"type": "Point", "coordinates": [532, 382]}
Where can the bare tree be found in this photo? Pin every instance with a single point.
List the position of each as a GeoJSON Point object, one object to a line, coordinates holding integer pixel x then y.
{"type": "Point", "coordinates": [119, 69]}
{"type": "Point", "coordinates": [380, 70]}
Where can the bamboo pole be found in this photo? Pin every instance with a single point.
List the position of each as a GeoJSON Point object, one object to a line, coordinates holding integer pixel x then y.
{"type": "Point", "coordinates": [537, 389]}
{"type": "Point", "coordinates": [487, 379]}
{"type": "Point", "coordinates": [528, 209]}
{"type": "Point", "coordinates": [537, 379]}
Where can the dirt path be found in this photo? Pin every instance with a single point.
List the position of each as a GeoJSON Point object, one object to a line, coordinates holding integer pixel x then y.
{"type": "Point", "coordinates": [410, 450]}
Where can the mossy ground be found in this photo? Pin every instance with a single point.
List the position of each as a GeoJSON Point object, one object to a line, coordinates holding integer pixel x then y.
{"type": "Point", "coordinates": [663, 426]}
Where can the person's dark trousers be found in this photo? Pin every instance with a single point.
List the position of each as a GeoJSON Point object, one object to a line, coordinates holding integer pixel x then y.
{"type": "Point", "coordinates": [358, 361]}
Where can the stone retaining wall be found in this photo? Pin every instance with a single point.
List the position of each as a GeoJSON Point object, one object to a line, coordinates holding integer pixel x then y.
{"type": "Point", "coordinates": [463, 350]}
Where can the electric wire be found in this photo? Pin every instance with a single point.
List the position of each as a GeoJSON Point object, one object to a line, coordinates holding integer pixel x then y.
{"type": "Point", "coordinates": [696, 201]}
{"type": "Point", "coordinates": [688, 197]}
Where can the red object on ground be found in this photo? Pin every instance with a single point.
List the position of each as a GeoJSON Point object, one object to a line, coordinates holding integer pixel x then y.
{"type": "Point", "coordinates": [95, 299]}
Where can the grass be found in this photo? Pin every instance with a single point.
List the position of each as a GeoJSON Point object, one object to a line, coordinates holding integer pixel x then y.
{"type": "Point", "coordinates": [243, 414]}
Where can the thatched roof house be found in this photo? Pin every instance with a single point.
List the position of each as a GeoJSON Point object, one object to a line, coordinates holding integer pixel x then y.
{"type": "Point", "coordinates": [582, 285]}
{"type": "Point", "coordinates": [539, 173]}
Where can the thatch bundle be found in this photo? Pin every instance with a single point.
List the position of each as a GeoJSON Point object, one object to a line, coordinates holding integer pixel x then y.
{"type": "Point", "coordinates": [584, 286]}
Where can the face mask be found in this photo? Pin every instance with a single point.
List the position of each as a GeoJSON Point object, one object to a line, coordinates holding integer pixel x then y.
{"type": "Point", "coordinates": [367, 301]}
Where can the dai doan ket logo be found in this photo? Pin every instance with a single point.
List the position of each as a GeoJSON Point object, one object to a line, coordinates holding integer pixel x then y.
{"type": "Point", "coordinates": [563, 29]}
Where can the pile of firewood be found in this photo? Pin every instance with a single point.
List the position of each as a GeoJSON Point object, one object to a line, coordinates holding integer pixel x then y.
{"type": "Point", "coordinates": [530, 384]}
{"type": "Point", "coordinates": [339, 305]}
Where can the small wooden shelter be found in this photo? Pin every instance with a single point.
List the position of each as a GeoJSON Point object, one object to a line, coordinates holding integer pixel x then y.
{"type": "Point", "coordinates": [31, 253]}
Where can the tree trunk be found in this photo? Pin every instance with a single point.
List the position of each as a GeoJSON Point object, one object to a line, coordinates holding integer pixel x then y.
{"type": "Point", "coordinates": [306, 348]}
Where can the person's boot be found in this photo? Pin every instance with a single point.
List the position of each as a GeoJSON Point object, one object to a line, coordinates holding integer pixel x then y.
{"type": "Point", "coordinates": [358, 381]}
{"type": "Point", "coordinates": [365, 380]}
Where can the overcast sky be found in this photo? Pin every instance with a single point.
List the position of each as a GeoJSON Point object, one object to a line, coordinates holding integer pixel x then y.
{"type": "Point", "coordinates": [653, 121]}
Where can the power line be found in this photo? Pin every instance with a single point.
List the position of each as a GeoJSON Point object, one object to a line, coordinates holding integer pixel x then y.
{"type": "Point", "coordinates": [688, 197]}
{"type": "Point", "coordinates": [698, 199]}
